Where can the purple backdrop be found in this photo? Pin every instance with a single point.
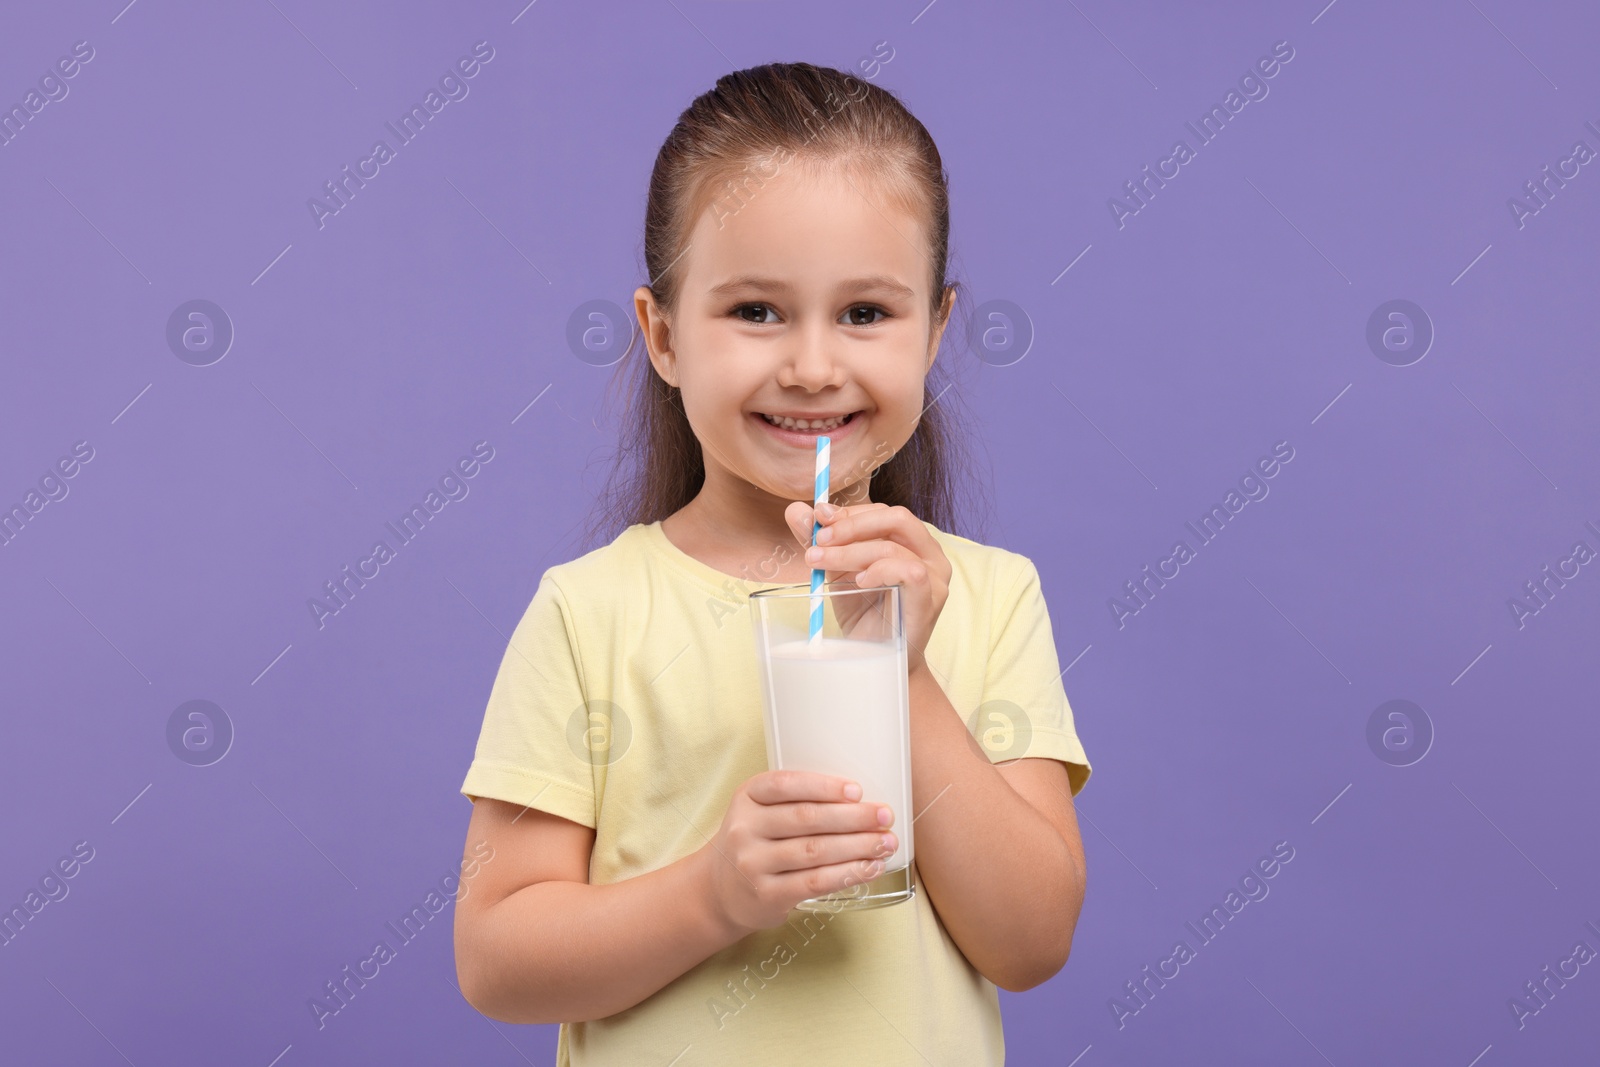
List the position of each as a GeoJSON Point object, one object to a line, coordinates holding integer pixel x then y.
{"type": "Point", "coordinates": [1380, 260]}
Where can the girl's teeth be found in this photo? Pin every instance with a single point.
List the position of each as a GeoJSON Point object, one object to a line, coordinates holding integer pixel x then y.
{"type": "Point", "coordinates": [805, 424]}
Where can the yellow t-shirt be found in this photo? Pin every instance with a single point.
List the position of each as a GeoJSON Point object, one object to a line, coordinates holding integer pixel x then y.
{"type": "Point", "coordinates": [629, 701]}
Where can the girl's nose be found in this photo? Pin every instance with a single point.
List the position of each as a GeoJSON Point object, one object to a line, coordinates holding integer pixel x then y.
{"type": "Point", "coordinates": [811, 362]}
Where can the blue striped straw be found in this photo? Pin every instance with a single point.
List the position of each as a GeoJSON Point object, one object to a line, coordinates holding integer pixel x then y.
{"type": "Point", "coordinates": [817, 573]}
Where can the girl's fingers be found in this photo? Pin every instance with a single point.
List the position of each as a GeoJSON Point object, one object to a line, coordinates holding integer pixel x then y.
{"type": "Point", "coordinates": [802, 516]}
{"type": "Point", "coordinates": [857, 556]}
{"type": "Point", "coordinates": [831, 879]}
{"type": "Point", "coordinates": [837, 512]}
{"type": "Point", "coordinates": [867, 522]}
{"type": "Point", "coordinates": [833, 514]}
{"type": "Point", "coordinates": [825, 818]}
{"type": "Point", "coordinates": [904, 572]}
{"type": "Point", "coordinates": [804, 853]}
{"type": "Point", "coordinates": [850, 610]}
{"type": "Point", "coordinates": [783, 786]}
{"type": "Point", "coordinates": [799, 516]}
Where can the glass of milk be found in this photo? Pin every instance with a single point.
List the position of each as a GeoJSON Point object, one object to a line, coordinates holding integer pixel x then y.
{"type": "Point", "coordinates": [839, 704]}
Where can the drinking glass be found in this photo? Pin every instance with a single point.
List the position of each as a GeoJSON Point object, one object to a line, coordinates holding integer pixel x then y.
{"type": "Point", "coordinates": [838, 703]}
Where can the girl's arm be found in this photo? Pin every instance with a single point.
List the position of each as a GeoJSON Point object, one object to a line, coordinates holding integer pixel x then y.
{"type": "Point", "coordinates": [998, 849]}
{"type": "Point", "coordinates": [536, 943]}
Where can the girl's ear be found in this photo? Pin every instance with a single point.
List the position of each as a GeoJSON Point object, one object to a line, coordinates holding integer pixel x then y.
{"type": "Point", "coordinates": [657, 334]}
{"type": "Point", "coordinates": [946, 307]}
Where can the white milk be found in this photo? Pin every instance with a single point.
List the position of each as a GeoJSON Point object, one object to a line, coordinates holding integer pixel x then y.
{"type": "Point", "coordinates": [842, 708]}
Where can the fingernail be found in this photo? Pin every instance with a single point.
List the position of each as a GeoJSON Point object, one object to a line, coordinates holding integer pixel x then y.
{"type": "Point", "coordinates": [813, 555]}
{"type": "Point", "coordinates": [825, 535]}
{"type": "Point", "coordinates": [885, 816]}
{"type": "Point", "coordinates": [826, 510]}
{"type": "Point", "coordinates": [852, 791]}
{"type": "Point", "coordinates": [888, 842]}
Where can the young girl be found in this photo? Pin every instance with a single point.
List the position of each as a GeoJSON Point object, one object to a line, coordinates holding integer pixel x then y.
{"type": "Point", "coordinates": [646, 863]}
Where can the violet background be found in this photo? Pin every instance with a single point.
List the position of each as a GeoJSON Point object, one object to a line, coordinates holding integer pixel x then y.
{"type": "Point", "coordinates": [1229, 314]}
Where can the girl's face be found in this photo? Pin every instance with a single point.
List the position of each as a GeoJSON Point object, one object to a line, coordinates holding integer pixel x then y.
{"type": "Point", "coordinates": [808, 298]}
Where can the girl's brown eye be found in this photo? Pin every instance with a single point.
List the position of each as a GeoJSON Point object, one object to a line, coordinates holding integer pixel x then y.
{"type": "Point", "coordinates": [868, 309]}
{"type": "Point", "coordinates": [758, 308]}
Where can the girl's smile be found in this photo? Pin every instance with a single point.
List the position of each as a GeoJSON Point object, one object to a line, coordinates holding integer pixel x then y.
{"type": "Point", "coordinates": [801, 430]}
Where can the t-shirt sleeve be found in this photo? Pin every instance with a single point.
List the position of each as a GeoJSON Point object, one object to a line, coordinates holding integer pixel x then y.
{"type": "Point", "coordinates": [1024, 713]}
{"type": "Point", "coordinates": [531, 749]}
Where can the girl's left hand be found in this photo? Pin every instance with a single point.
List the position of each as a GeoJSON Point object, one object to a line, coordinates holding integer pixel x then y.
{"type": "Point", "coordinates": [875, 544]}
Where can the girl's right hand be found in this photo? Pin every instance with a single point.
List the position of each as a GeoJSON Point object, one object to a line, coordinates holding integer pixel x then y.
{"type": "Point", "coordinates": [789, 836]}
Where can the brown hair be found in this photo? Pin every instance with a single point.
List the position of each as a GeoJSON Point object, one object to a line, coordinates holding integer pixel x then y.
{"type": "Point", "coordinates": [750, 118]}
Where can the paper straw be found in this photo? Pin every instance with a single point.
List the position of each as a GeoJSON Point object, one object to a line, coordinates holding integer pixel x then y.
{"type": "Point", "coordinates": [817, 573]}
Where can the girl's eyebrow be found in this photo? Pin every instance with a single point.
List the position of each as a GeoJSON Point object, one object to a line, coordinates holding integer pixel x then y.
{"type": "Point", "coordinates": [874, 283]}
